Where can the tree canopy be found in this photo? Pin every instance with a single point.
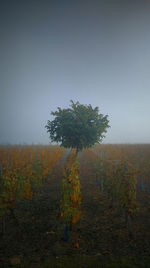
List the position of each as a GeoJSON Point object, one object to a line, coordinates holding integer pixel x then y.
{"type": "Point", "coordinates": [79, 126]}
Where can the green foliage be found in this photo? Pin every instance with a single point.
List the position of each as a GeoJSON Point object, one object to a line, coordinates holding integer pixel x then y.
{"type": "Point", "coordinates": [78, 127]}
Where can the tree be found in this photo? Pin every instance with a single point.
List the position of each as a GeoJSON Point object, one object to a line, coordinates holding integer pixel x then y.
{"type": "Point", "coordinates": [77, 127]}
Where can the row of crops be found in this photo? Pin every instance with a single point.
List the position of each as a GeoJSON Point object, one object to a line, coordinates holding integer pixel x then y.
{"type": "Point", "coordinates": [120, 171]}
{"type": "Point", "coordinates": [70, 203]}
{"type": "Point", "coordinates": [22, 172]}
{"type": "Point", "coordinates": [133, 159]}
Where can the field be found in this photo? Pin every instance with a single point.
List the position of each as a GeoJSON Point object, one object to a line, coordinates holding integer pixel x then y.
{"type": "Point", "coordinates": [57, 210]}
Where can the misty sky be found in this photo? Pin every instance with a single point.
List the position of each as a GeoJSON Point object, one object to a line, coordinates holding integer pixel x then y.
{"type": "Point", "coordinates": [96, 52]}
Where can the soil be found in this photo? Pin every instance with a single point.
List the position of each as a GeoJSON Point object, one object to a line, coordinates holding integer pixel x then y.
{"type": "Point", "coordinates": [34, 232]}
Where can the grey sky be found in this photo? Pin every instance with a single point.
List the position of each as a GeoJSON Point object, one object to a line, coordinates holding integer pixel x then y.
{"type": "Point", "coordinates": [96, 52]}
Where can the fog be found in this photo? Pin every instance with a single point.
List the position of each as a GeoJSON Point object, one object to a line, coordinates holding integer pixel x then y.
{"type": "Point", "coordinates": [87, 51]}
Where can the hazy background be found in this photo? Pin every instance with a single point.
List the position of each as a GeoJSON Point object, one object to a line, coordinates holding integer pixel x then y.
{"type": "Point", "coordinates": [96, 52]}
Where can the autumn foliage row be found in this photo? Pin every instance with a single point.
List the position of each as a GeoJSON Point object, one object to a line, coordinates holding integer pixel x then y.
{"type": "Point", "coordinates": [120, 172]}
{"type": "Point", "coordinates": [70, 204]}
{"type": "Point", "coordinates": [22, 171]}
